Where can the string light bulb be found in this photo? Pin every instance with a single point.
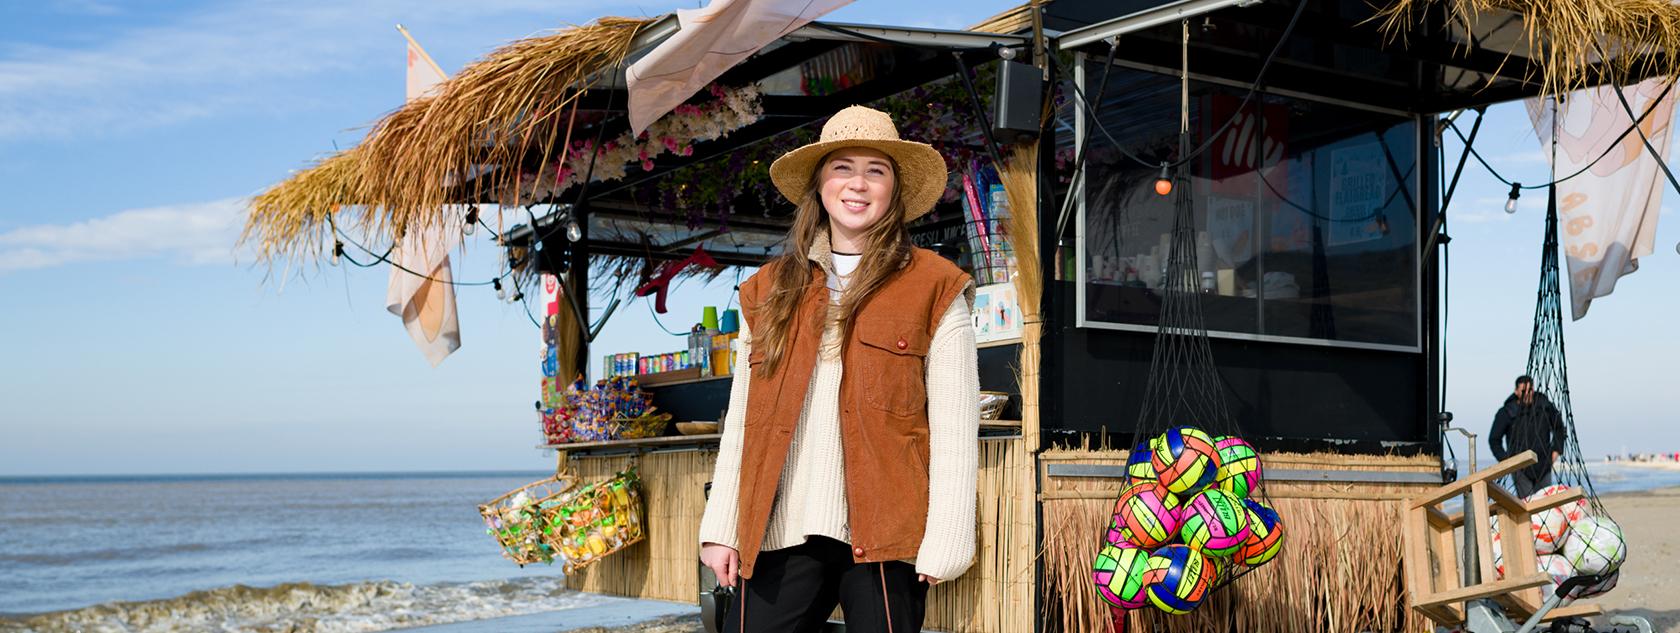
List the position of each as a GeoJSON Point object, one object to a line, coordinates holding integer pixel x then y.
{"type": "Point", "coordinates": [574, 233]}
{"type": "Point", "coordinates": [1511, 204]}
{"type": "Point", "coordinates": [338, 251]}
{"type": "Point", "coordinates": [1163, 185]}
{"type": "Point", "coordinates": [472, 222]}
{"type": "Point", "coordinates": [501, 294]}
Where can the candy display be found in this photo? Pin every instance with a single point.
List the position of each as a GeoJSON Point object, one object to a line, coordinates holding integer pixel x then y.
{"type": "Point", "coordinates": [1187, 508]}
{"type": "Point", "coordinates": [615, 408]}
{"type": "Point", "coordinates": [1215, 522]}
{"type": "Point", "coordinates": [1119, 572]}
{"type": "Point", "coordinates": [593, 521]}
{"type": "Point", "coordinates": [518, 523]}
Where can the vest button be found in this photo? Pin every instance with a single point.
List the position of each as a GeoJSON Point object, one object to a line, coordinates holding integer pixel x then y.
{"type": "Point", "coordinates": [902, 344]}
{"type": "Point", "coordinates": [857, 551]}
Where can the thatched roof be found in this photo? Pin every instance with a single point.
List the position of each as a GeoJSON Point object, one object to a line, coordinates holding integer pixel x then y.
{"type": "Point", "coordinates": [1575, 43]}
{"type": "Point", "coordinates": [493, 113]}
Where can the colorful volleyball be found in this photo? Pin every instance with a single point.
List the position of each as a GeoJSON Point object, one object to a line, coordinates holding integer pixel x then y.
{"type": "Point", "coordinates": [1147, 514]}
{"type": "Point", "coordinates": [1138, 466]}
{"type": "Point", "coordinates": [1239, 466]}
{"type": "Point", "coordinates": [1178, 578]}
{"type": "Point", "coordinates": [1265, 535]}
{"type": "Point", "coordinates": [1214, 522]}
{"type": "Point", "coordinates": [1594, 546]}
{"type": "Point", "coordinates": [1119, 575]}
{"type": "Point", "coordinates": [1185, 460]}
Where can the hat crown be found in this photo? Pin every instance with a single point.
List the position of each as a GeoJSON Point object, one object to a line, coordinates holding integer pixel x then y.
{"type": "Point", "coordinates": [859, 123]}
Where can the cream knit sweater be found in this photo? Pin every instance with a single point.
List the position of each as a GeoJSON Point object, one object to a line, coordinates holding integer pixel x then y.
{"type": "Point", "coordinates": [811, 496]}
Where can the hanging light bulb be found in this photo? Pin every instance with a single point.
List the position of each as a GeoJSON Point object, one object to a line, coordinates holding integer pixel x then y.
{"type": "Point", "coordinates": [574, 233]}
{"type": "Point", "coordinates": [501, 294]}
{"type": "Point", "coordinates": [1511, 204]}
{"type": "Point", "coordinates": [338, 251]}
{"type": "Point", "coordinates": [1163, 185]}
{"type": "Point", "coordinates": [472, 221]}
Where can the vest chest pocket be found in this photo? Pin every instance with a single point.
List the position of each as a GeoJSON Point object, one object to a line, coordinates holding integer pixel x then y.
{"type": "Point", "coordinates": [892, 362]}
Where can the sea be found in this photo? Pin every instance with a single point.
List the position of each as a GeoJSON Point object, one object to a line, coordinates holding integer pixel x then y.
{"type": "Point", "coordinates": [348, 553]}
{"type": "Point", "coordinates": [334, 553]}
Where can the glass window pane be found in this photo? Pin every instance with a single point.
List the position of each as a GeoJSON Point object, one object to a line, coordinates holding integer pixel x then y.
{"type": "Point", "coordinates": [1304, 212]}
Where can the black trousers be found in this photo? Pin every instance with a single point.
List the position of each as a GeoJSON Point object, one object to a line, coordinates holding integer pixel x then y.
{"type": "Point", "coordinates": [796, 588]}
{"type": "Point", "coordinates": [1526, 485]}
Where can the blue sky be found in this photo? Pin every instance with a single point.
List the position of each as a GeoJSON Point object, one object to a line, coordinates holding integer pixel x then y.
{"type": "Point", "coordinates": [141, 342]}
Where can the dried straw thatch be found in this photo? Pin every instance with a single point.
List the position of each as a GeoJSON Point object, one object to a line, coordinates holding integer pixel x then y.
{"type": "Point", "coordinates": [292, 216]}
{"type": "Point", "coordinates": [1020, 182]}
{"type": "Point", "coordinates": [1337, 535]}
{"type": "Point", "coordinates": [495, 113]}
{"type": "Point", "coordinates": [1572, 37]}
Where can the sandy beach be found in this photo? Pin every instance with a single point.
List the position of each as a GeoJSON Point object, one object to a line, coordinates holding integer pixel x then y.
{"type": "Point", "coordinates": [1650, 584]}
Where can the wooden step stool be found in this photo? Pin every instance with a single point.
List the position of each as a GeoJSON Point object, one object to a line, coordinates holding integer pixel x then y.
{"type": "Point", "coordinates": [1432, 558]}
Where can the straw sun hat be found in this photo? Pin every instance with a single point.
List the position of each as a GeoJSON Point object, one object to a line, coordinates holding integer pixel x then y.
{"type": "Point", "coordinates": [921, 170]}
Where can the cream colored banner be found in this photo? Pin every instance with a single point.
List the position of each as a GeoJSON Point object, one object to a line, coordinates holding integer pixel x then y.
{"type": "Point", "coordinates": [1607, 217]}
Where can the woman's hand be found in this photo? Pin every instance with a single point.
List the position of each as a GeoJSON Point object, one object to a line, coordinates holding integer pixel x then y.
{"type": "Point", "coordinates": [723, 560]}
{"type": "Point", "coordinates": [930, 580]}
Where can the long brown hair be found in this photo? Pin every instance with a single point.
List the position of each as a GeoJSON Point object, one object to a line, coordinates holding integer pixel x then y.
{"type": "Point", "coordinates": [886, 248]}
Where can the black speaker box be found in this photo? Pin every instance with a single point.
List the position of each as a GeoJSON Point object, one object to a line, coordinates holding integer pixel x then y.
{"type": "Point", "coordinates": [1019, 99]}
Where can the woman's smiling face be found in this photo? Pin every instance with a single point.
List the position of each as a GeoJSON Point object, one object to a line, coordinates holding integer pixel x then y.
{"type": "Point", "coordinates": [857, 188]}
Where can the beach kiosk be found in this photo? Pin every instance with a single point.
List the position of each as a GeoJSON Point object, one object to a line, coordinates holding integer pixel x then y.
{"type": "Point", "coordinates": [1316, 204]}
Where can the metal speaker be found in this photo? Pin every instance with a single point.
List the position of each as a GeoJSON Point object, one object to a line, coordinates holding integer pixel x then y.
{"type": "Point", "coordinates": [1019, 99]}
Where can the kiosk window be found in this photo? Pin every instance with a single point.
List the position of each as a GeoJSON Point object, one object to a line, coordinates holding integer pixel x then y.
{"type": "Point", "coordinates": [1305, 213]}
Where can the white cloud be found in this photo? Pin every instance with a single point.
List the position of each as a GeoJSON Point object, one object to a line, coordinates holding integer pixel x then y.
{"type": "Point", "coordinates": [228, 57]}
{"type": "Point", "coordinates": [198, 233]}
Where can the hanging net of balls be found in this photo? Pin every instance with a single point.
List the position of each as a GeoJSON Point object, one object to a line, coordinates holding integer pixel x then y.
{"type": "Point", "coordinates": [1192, 516]}
{"type": "Point", "coordinates": [1577, 538]}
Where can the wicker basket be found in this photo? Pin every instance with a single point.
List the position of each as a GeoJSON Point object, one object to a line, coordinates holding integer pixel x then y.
{"type": "Point", "coordinates": [992, 404]}
{"type": "Point", "coordinates": [518, 522]}
{"type": "Point", "coordinates": [595, 521]}
{"type": "Point", "coordinates": [650, 424]}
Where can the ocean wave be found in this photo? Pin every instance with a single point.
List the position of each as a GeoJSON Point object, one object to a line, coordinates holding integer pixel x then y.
{"type": "Point", "coordinates": [308, 608]}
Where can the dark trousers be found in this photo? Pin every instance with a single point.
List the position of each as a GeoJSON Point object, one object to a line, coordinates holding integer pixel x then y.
{"type": "Point", "coordinates": [796, 588]}
{"type": "Point", "coordinates": [1526, 485]}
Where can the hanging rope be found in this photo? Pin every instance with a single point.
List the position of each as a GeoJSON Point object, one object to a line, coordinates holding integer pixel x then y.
{"type": "Point", "coordinates": [1578, 538]}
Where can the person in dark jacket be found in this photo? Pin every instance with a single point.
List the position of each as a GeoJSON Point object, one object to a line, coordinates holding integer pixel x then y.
{"type": "Point", "coordinates": [1528, 421]}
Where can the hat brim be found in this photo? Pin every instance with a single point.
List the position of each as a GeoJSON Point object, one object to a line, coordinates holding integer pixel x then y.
{"type": "Point", "coordinates": [921, 171]}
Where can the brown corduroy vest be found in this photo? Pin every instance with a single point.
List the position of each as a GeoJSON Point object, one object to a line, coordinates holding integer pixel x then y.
{"type": "Point", "coordinates": [883, 406]}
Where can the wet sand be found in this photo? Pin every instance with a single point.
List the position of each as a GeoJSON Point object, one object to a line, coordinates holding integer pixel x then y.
{"type": "Point", "coordinates": [1650, 583]}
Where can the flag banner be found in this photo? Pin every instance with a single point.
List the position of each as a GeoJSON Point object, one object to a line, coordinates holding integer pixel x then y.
{"type": "Point", "coordinates": [711, 40]}
{"type": "Point", "coordinates": [1608, 215]}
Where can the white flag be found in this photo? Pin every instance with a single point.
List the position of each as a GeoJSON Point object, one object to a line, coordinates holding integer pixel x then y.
{"type": "Point", "coordinates": [426, 302]}
{"type": "Point", "coordinates": [1607, 217]}
{"type": "Point", "coordinates": [712, 40]}
{"type": "Point", "coordinates": [423, 73]}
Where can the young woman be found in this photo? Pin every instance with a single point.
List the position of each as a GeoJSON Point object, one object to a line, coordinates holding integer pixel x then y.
{"type": "Point", "coordinates": [846, 474]}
